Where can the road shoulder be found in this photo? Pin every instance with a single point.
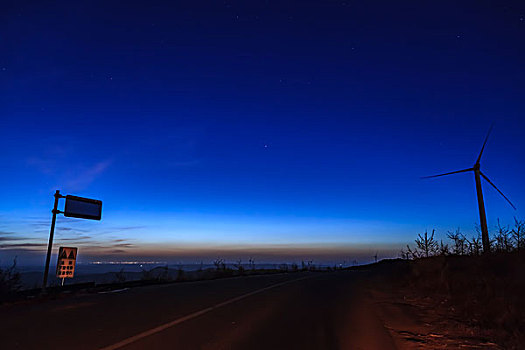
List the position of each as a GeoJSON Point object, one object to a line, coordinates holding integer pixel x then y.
{"type": "Point", "coordinates": [418, 322]}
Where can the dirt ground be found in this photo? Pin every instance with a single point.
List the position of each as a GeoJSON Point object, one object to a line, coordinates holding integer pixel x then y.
{"type": "Point", "coordinates": [450, 303]}
{"type": "Point", "coordinates": [418, 323]}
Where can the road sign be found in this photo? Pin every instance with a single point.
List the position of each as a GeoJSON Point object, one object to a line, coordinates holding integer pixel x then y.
{"type": "Point", "coordinates": [85, 208]}
{"type": "Point", "coordinates": [67, 257]}
{"type": "Point", "coordinates": [77, 207]}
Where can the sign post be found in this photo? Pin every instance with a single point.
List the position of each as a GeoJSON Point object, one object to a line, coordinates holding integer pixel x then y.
{"type": "Point", "coordinates": [51, 233]}
{"type": "Point", "coordinates": [77, 207]}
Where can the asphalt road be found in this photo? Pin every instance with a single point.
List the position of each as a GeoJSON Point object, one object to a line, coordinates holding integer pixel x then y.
{"type": "Point", "coordinates": [286, 311]}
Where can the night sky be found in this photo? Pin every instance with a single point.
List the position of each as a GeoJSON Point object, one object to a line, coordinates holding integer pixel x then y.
{"type": "Point", "coordinates": [275, 129]}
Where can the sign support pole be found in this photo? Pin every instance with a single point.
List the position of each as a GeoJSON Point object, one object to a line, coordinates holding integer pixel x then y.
{"type": "Point", "coordinates": [51, 233]}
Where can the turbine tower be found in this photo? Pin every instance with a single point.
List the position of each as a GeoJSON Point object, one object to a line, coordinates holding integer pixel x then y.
{"type": "Point", "coordinates": [481, 206]}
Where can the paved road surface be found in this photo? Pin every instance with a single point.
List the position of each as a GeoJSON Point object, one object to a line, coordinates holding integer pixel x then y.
{"type": "Point", "coordinates": [286, 311]}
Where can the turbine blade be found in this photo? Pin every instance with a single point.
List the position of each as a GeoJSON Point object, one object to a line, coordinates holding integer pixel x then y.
{"type": "Point", "coordinates": [497, 189]}
{"type": "Point", "coordinates": [484, 143]}
{"type": "Point", "coordinates": [452, 172]}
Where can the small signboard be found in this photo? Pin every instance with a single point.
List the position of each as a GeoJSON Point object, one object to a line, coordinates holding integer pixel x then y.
{"type": "Point", "coordinates": [84, 208]}
{"type": "Point", "coordinates": [67, 257]}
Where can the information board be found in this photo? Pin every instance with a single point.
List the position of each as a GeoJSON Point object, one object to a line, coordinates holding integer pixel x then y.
{"type": "Point", "coordinates": [67, 257]}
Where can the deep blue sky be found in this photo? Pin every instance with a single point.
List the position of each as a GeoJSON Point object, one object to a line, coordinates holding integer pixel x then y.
{"type": "Point", "coordinates": [275, 129]}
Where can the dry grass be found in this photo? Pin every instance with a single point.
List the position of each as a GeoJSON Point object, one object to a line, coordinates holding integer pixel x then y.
{"type": "Point", "coordinates": [485, 292]}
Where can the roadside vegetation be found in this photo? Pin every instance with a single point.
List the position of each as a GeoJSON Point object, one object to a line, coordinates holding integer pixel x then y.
{"type": "Point", "coordinates": [9, 281]}
{"type": "Point", "coordinates": [484, 290]}
{"type": "Point", "coordinates": [504, 239]}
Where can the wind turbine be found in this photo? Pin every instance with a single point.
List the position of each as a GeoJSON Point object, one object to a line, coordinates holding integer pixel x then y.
{"type": "Point", "coordinates": [477, 176]}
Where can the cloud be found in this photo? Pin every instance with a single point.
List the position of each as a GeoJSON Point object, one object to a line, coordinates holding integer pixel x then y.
{"type": "Point", "coordinates": [85, 176]}
{"type": "Point", "coordinates": [11, 236]}
{"type": "Point", "coordinates": [41, 223]}
{"type": "Point", "coordinates": [126, 228]}
{"type": "Point", "coordinates": [124, 245]}
{"type": "Point", "coordinates": [76, 176]}
{"type": "Point", "coordinates": [81, 238]}
{"type": "Point", "coordinates": [9, 239]}
{"type": "Point", "coordinates": [45, 166]}
{"type": "Point", "coordinates": [118, 251]}
{"type": "Point", "coordinates": [72, 230]}
{"type": "Point", "coordinates": [13, 239]}
{"type": "Point", "coordinates": [23, 245]}
{"type": "Point", "coordinates": [7, 233]}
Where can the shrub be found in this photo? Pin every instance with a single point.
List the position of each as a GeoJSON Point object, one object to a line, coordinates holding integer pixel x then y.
{"type": "Point", "coordinates": [427, 245]}
{"type": "Point", "coordinates": [120, 276]}
{"type": "Point", "coordinates": [165, 273]}
{"type": "Point", "coordinates": [502, 239]}
{"type": "Point", "coordinates": [9, 281]}
{"type": "Point", "coordinates": [475, 246]}
{"type": "Point", "coordinates": [251, 262]}
{"type": "Point", "coordinates": [180, 274]}
{"type": "Point", "coordinates": [443, 249]}
{"type": "Point", "coordinates": [239, 267]}
{"type": "Point", "coordinates": [219, 264]}
{"type": "Point", "coordinates": [460, 247]}
{"type": "Point", "coordinates": [517, 233]}
{"type": "Point", "coordinates": [146, 275]}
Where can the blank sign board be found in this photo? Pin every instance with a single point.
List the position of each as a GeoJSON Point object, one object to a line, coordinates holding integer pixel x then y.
{"type": "Point", "coordinates": [85, 208]}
